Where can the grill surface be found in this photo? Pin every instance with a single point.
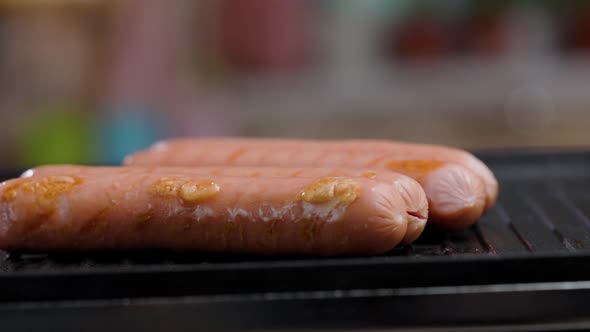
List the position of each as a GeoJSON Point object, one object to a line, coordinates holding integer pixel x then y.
{"type": "Point", "coordinates": [537, 234]}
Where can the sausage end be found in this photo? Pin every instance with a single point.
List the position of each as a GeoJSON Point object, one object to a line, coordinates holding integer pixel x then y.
{"type": "Point", "coordinates": [457, 197]}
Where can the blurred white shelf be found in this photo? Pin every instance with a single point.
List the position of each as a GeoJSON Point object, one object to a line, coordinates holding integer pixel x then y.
{"type": "Point", "coordinates": [463, 84]}
{"type": "Point", "coordinates": [470, 103]}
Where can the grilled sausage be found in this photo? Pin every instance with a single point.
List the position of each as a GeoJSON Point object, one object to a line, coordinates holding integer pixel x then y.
{"type": "Point", "coordinates": [457, 195]}
{"type": "Point", "coordinates": [411, 192]}
{"type": "Point", "coordinates": [137, 209]}
{"type": "Point", "coordinates": [244, 150]}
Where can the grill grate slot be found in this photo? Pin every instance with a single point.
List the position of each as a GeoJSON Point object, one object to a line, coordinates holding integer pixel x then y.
{"type": "Point", "coordinates": [561, 195]}
{"type": "Point", "coordinates": [540, 210]}
{"type": "Point", "coordinates": [499, 232]}
{"type": "Point", "coordinates": [464, 242]}
{"type": "Point", "coordinates": [575, 231]}
{"type": "Point", "coordinates": [538, 235]}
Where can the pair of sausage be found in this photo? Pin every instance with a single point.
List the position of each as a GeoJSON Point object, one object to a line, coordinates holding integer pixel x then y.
{"type": "Point", "coordinates": [256, 210]}
{"type": "Point", "coordinates": [459, 186]}
{"type": "Point", "coordinates": [248, 208]}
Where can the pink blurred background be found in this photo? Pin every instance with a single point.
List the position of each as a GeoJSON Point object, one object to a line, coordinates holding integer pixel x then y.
{"type": "Point", "coordinates": [87, 81]}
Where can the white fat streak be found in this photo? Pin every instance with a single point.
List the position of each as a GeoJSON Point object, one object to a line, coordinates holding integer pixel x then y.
{"type": "Point", "coordinates": [233, 213]}
{"type": "Point", "coordinates": [262, 215]}
{"type": "Point", "coordinates": [336, 213]}
{"type": "Point", "coordinates": [201, 212]}
{"type": "Point", "coordinates": [292, 216]}
{"type": "Point", "coordinates": [282, 212]}
{"type": "Point", "coordinates": [174, 209]}
{"type": "Point", "coordinates": [331, 211]}
{"type": "Point", "coordinates": [267, 213]}
{"type": "Point", "coordinates": [63, 210]}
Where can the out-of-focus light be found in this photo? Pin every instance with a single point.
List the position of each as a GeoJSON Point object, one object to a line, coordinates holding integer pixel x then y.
{"type": "Point", "coordinates": [125, 130]}
{"type": "Point", "coordinates": [56, 135]}
{"type": "Point", "coordinates": [529, 110]}
{"type": "Point", "coordinates": [47, 3]}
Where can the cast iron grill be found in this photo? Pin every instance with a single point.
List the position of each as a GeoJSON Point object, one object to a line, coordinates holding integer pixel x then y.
{"type": "Point", "coordinates": [533, 247]}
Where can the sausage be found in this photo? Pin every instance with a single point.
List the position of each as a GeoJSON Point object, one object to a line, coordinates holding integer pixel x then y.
{"type": "Point", "coordinates": [255, 152]}
{"type": "Point", "coordinates": [456, 195]}
{"type": "Point", "coordinates": [136, 209]}
{"type": "Point", "coordinates": [411, 192]}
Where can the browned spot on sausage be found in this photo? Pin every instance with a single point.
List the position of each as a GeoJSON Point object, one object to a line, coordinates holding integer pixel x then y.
{"type": "Point", "coordinates": [272, 225]}
{"type": "Point", "coordinates": [311, 228]}
{"type": "Point", "coordinates": [375, 161]}
{"type": "Point", "coordinates": [52, 186]}
{"type": "Point", "coordinates": [216, 171]}
{"type": "Point", "coordinates": [344, 190]}
{"type": "Point", "coordinates": [254, 174]}
{"type": "Point", "coordinates": [9, 191]}
{"type": "Point", "coordinates": [41, 218]}
{"type": "Point", "coordinates": [414, 166]}
{"type": "Point", "coordinates": [144, 218]}
{"type": "Point", "coordinates": [187, 224]}
{"type": "Point", "coordinates": [189, 191]}
{"type": "Point", "coordinates": [166, 187]}
{"type": "Point", "coordinates": [46, 190]}
{"type": "Point", "coordinates": [95, 221]}
{"type": "Point", "coordinates": [369, 174]}
{"type": "Point", "coordinates": [194, 192]}
{"type": "Point", "coordinates": [35, 223]}
{"type": "Point", "coordinates": [235, 155]}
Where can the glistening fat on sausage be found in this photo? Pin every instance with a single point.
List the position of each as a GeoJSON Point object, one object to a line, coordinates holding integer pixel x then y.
{"type": "Point", "coordinates": [134, 209]}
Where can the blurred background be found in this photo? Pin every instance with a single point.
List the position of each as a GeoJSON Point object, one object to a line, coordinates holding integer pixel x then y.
{"type": "Point", "coordinates": [87, 81]}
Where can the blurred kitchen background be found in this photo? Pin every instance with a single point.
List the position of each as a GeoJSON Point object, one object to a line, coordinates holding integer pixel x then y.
{"type": "Point", "coordinates": [87, 81]}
